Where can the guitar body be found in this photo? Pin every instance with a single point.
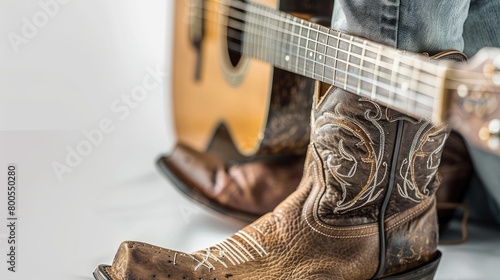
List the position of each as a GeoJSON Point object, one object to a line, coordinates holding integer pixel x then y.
{"type": "Point", "coordinates": [235, 107]}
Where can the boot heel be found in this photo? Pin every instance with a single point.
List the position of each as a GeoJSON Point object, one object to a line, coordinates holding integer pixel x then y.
{"type": "Point", "coordinates": [423, 272]}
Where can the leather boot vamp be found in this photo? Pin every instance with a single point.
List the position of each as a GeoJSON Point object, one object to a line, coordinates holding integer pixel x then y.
{"type": "Point", "coordinates": [252, 187]}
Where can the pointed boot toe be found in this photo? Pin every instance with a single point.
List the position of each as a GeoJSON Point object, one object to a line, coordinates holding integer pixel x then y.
{"type": "Point", "coordinates": [137, 260]}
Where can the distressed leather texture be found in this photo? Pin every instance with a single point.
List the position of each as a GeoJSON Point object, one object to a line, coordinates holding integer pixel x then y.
{"type": "Point", "coordinates": [328, 228]}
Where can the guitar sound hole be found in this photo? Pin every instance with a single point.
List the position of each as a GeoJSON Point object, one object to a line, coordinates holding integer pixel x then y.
{"type": "Point", "coordinates": [236, 21]}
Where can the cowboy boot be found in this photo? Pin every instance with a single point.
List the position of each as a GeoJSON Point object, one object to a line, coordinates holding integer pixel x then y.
{"type": "Point", "coordinates": [365, 208]}
{"type": "Point", "coordinates": [248, 190]}
{"type": "Point", "coordinates": [244, 191]}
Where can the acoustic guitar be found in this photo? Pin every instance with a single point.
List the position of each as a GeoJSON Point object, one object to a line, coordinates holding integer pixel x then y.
{"type": "Point", "coordinates": [228, 104]}
{"type": "Point", "coordinates": [226, 50]}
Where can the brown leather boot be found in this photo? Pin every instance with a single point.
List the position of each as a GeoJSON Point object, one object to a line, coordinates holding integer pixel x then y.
{"type": "Point", "coordinates": [365, 208]}
{"type": "Point", "coordinates": [248, 190]}
{"type": "Point", "coordinates": [244, 191]}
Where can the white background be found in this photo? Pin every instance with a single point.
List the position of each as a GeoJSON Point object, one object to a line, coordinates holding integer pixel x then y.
{"type": "Point", "coordinates": [64, 79]}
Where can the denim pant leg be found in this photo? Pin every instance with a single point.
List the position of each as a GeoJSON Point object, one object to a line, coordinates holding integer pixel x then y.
{"type": "Point", "coordinates": [414, 25]}
{"type": "Point", "coordinates": [481, 29]}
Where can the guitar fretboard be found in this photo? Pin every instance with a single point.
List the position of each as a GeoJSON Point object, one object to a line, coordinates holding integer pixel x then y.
{"type": "Point", "coordinates": [406, 82]}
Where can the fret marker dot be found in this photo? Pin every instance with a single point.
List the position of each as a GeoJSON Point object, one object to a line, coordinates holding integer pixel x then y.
{"type": "Point", "coordinates": [320, 57]}
{"type": "Point", "coordinates": [310, 54]}
{"type": "Point", "coordinates": [287, 57]}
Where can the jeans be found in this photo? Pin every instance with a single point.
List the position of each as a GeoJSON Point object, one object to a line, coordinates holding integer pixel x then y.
{"type": "Point", "coordinates": [432, 26]}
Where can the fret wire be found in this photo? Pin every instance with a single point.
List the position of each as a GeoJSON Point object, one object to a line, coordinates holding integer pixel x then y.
{"type": "Point", "coordinates": [270, 42]}
{"type": "Point", "coordinates": [323, 58]}
{"type": "Point", "coordinates": [307, 45]}
{"type": "Point", "coordinates": [298, 44]}
{"type": "Point", "coordinates": [316, 52]}
{"type": "Point", "coordinates": [275, 39]}
{"type": "Point", "coordinates": [336, 60]}
{"type": "Point", "coordinates": [348, 62]}
{"type": "Point", "coordinates": [288, 39]}
{"type": "Point", "coordinates": [283, 36]}
{"type": "Point", "coordinates": [363, 53]}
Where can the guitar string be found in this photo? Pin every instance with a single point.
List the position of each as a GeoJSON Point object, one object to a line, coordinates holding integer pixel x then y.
{"type": "Point", "coordinates": [414, 94]}
{"type": "Point", "coordinates": [416, 101]}
{"type": "Point", "coordinates": [408, 59]}
{"type": "Point", "coordinates": [417, 89]}
{"type": "Point", "coordinates": [361, 45]}
{"type": "Point", "coordinates": [400, 104]}
{"type": "Point", "coordinates": [282, 17]}
{"type": "Point", "coordinates": [323, 56]}
{"type": "Point", "coordinates": [242, 17]}
{"type": "Point", "coordinates": [361, 68]}
{"type": "Point", "coordinates": [389, 87]}
{"type": "Point", "coordinates": [475, 80]}
{"type": "Point", "coordinates": [407, 56]}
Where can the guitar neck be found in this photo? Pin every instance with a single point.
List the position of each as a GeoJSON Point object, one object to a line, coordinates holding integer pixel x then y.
{"type": "Point", "coordinates": [406, 82]}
